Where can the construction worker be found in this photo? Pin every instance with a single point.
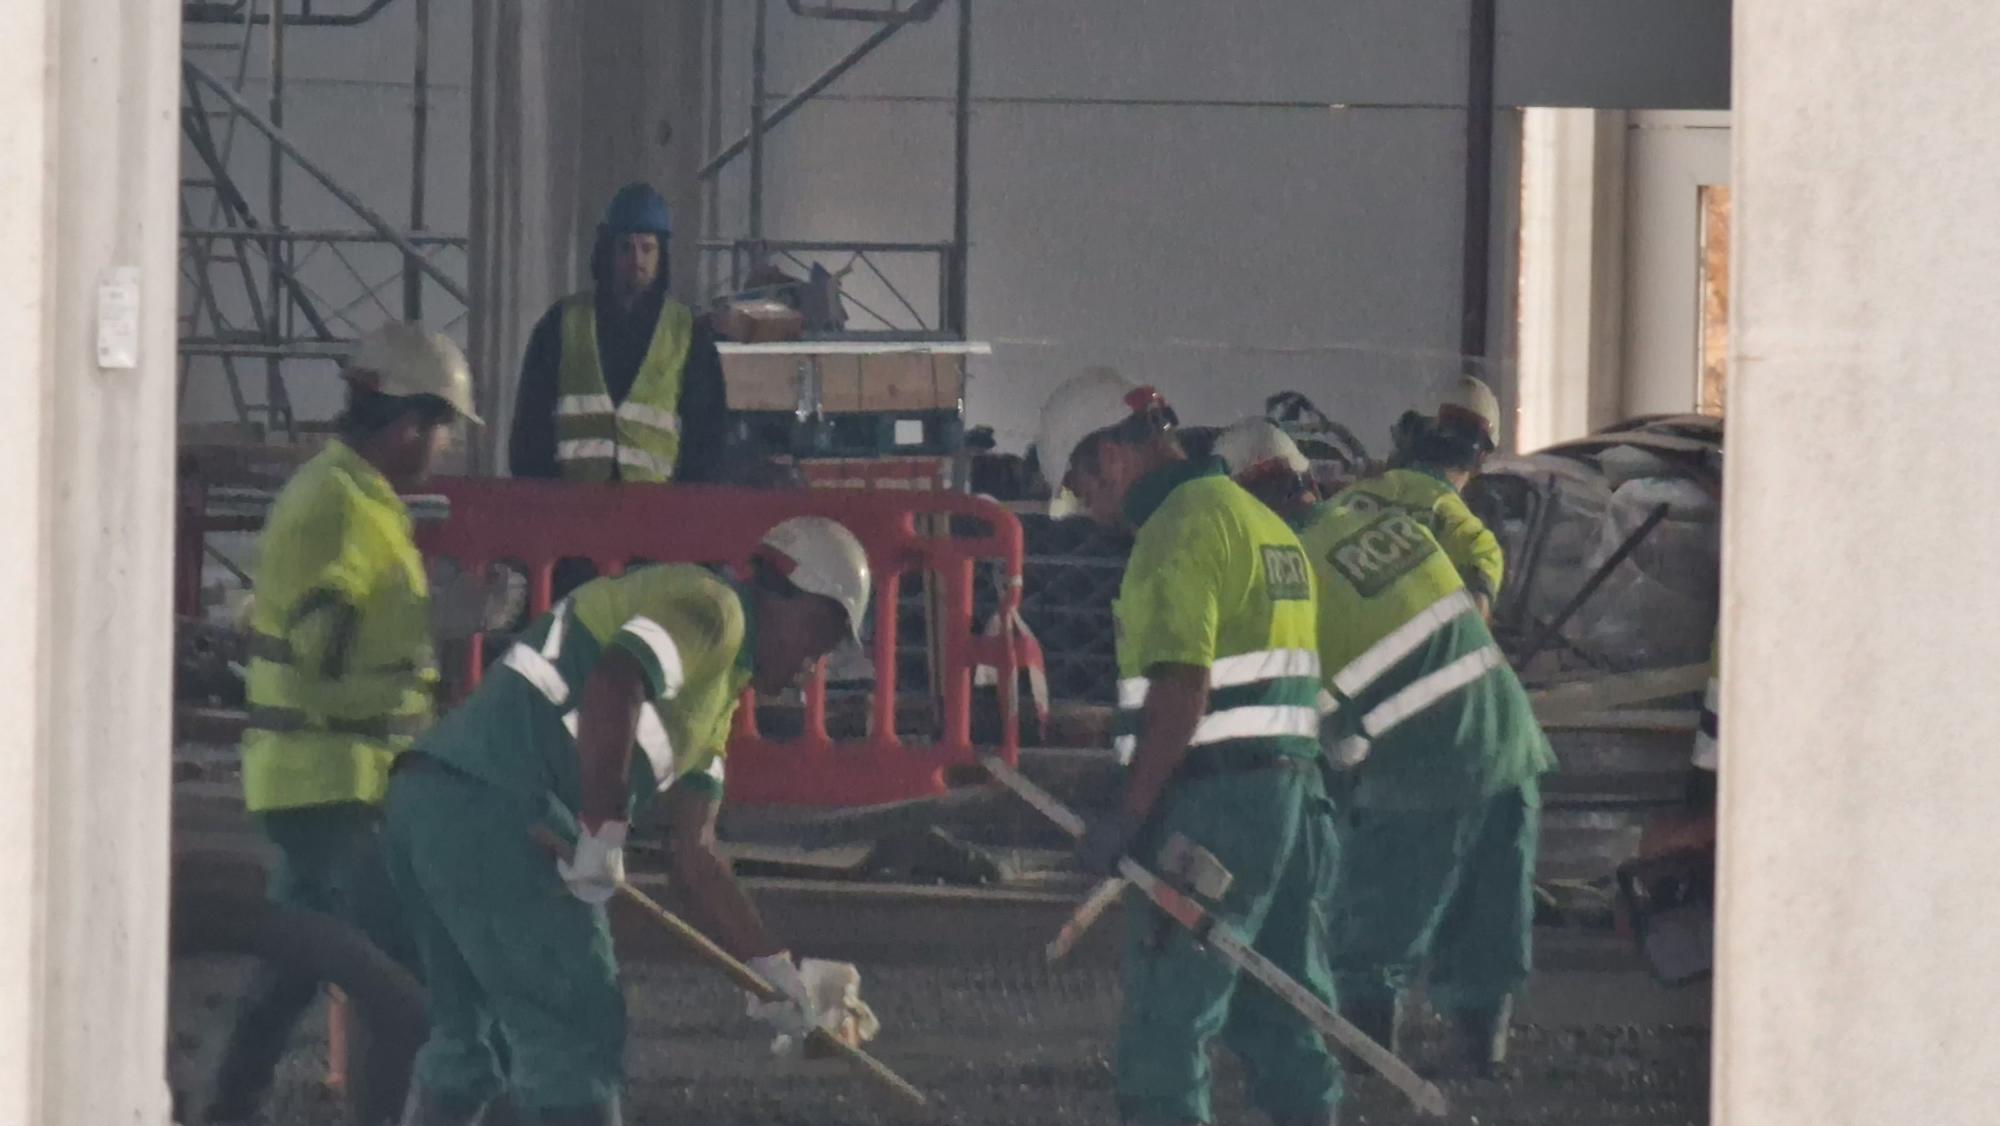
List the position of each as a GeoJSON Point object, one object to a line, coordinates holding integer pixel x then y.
{"type": "Point", "coordinates": [1438, 756]}
{"type": "Point", "coordinates": [1217, 729]}
{"type": "Point", "coordinates": [1434, 457]}
{"type": "Point", "coordinates": [657, 658]}
{"type": "Point", "coordinates": [341, 672]}
{"type": "Point", "coordinates": [620, 381]}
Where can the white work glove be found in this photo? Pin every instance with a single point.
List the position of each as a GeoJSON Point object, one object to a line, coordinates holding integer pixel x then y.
{"type": "Point", "coordinates": [597, 866]}
{"type": "Point", "coordinates": [792, 1012]}
{"type": "Point", "coordinates": [1349, 752]}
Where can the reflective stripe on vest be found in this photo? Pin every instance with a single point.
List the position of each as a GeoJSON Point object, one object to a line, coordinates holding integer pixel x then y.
{"type": "Point", "coordinates": [573, 406]}
{"type": "Point", "coordinates": [1238, 676]}
{"type": "Point", "coordinates": [640, 437]}
{"type": "Point", "coordinates": [287, 721]}
{"type": "Point", "coordinates": [651, 737]}
{"type": "Point", "coordinates": [538, 668]}
{"type": "Point", "coordinates": [1419, 694]}
{"type": "Point", "coordinates": [404, 676]}
{"type": "Point", "coordinates": [645, 466]}
{"type": "Point", "coordinates": [1400, 642]}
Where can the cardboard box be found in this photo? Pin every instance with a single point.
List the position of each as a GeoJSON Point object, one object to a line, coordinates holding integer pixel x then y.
{"type": "Point", "coordinates": [760, 322]}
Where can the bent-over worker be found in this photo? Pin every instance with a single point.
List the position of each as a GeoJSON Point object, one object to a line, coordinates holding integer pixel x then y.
{"type": "Point", "coordinates": [341, 671]}
{"type": "Point", "coordinates": [1434, 458]}
{"type": "Point", "coordinates": [1437, 756]}
{"type": "Point", "coordinates": [1217, 729]}
{"type": "Point", "coordinates": [656, 658]}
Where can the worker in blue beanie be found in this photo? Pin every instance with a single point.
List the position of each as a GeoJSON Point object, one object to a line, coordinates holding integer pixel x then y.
{"type": "Point", "coordinates": [621, 382]}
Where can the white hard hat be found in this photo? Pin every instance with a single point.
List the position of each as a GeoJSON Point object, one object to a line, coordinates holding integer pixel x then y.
{"type": "Point", "coordinates": [1472, 399]}
{"type": "Point", "coordinates": [1257, 443]}
{"type": "Point", "coordinates": [1094, 400]}
{"type": "Point", "coordinates": [401, 359]}
{"type": "Point", "coordinates": [821, 557]}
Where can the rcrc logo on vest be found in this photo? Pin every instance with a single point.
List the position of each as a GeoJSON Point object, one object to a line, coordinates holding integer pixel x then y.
{"type": "Point", "coordinates": [1384, 551]}
{"type": "Point", "coordinates": [1285, 574]}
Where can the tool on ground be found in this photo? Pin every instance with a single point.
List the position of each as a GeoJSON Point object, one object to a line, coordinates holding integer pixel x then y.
{"type": "Point", "coordinates": [1185, 864]}
{"type": "Point", "coordinates": [1220, 937]}
{"type": "Point", "coordinates": [744, 977]}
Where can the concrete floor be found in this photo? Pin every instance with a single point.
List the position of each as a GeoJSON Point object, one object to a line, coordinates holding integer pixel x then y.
{"type": "Point", "coordinates": [972, 1016]}
{"type": "Point", "coordinates": [1013, 1042]}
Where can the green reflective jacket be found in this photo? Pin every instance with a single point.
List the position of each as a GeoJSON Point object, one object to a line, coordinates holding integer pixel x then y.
{"type": "Point", "coordinates": [341, 673]}
{"type": "Point", "coordinates": [1424, 698]}
{"type": "Point", "coordinates": [1218, 581]}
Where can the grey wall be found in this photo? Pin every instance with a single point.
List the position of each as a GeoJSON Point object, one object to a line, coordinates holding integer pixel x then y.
{"type": "Point", "coordinates": [1223, 204]}
{"type": "Point", "coordinates": [1613, 54]}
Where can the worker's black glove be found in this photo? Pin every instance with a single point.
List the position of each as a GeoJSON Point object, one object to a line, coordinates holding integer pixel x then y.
{"type": "Point", "coordinates": [1107, 834]}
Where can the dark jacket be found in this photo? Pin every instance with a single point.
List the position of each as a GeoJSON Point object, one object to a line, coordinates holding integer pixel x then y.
{"type": "Point", "coordinates": [622, 340]}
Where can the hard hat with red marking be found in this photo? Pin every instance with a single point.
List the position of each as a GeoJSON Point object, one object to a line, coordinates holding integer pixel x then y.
{"type": "Point", "coordinates": [1472, 403]}
{"type": "Point", "coordinates": [1097, 399]}
{"type": "Point", "coordinates": [1256, 447]}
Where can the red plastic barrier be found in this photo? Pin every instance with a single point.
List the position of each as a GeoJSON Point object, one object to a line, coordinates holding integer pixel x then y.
{"type": "Point", "coordinates": [534, 524]}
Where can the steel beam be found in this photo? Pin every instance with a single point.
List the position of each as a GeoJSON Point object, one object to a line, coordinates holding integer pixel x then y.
{"type": "Point", "coordinates": [807, 92]}
{"type": "Point", "coordinates": [325, 179]}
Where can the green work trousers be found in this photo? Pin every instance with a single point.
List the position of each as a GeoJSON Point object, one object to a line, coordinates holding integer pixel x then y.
{"type": "Point", "coordinates": [1273, 830]}
{"type": "Point", "coordinates": [1451, 887]}
{"type": "Point", "coordinates": [329, 859]}
{"type": "Point", "coordinates": [503, 943]}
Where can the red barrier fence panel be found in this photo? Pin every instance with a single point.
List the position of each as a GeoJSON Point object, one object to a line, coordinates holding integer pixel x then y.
{"type": "Point", "coordinates": [533, 525]}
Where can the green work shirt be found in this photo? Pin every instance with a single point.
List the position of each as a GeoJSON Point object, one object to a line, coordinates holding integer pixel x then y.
{"type": "Point", "coordinates": [1414, 673]}
{"type": "Point", "coordinates": [1424, 493]}
{"type": "Point", "coordinates": [341, 672]}
{"type": "Point", "coordinates": [1218, 581]}
{"type": "Point", "coordinates": [688, 628]}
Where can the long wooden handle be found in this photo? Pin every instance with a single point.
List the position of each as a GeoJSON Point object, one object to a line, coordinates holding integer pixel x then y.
{"type": "Point", "coordinates": [744, 977]}
{"type": "Point", "coordinates": [1223, 939]}
{"type": "Point", "coordinates": [1086, 915]}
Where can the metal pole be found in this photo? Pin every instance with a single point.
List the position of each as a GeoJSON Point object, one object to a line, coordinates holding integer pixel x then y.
{"type": "Point", "coordinates": [955, 317]}
{"type": "Point", "coordinates": [711, 211]}
{"type": "Point", "coordinates": [361, 210]}
{"type": "Point", "coordinates": [805, 94]}
{"type": "Point", "coordinates": [413, 279]}
{"type": "Point", "coordinates": [274, 378]}
{"type": "Point", "coordinates": [1477, 265]}
{"type": "Point", "coordinates": [1590, 585]}
{"type": "Point", "coordinates": [757, 124]}
{"type": "Point", "coordinates": [236, 213]}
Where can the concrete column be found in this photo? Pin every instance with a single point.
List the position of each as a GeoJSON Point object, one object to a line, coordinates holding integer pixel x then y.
{"type": "Point", "coordinates": [1572, 272]}
{"type": "Point", "coordinates": [1861, 631]}
{"type": "Point", "coordinates": [88, 169]}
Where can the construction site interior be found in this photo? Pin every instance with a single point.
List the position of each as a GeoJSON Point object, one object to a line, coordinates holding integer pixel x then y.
{"type": "Point", "coordinates": [899, 228]}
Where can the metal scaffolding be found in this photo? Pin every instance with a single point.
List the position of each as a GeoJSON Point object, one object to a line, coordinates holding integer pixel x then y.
{"type": "Point", "coordinates": [729, 263]}
{"type": "Point", "coordinates": [244, 301]}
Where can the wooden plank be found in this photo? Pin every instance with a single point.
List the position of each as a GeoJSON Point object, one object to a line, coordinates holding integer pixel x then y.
{"type": "Point", "coordinates": [906, 381]}
{"type": "Point", "coordinates": [761, 382]}
{"type": "Point", "coordinates": [1617, 690]}
{"type": "Point", "coordinates": [849, 382]}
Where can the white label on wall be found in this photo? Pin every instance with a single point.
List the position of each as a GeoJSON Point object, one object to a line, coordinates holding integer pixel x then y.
{"type": "Point", "coordinates": [118, 319]}
{"type": "Point", "coordinates": [909, 431]}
